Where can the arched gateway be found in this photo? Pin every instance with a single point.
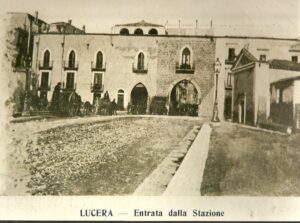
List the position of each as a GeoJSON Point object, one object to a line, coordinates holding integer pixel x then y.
{"type": "Point", "coordinates": [139, 98]}
{"type": "Point", "coordinates": [184, 98]}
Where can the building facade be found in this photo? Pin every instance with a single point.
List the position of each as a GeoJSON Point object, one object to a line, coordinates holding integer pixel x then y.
{"type": "Point", "coordinates": [255, 82]}
{"type": "Point", "coordinates": [20, 28]}
{"type": "Point", "coordinates": [285, 102]}
{"type": "Point", "coordinates": [262, 49]}
{"type": "Point", "coordinates": [127, 67]}
{"type": "Point", "coordinates": [140, 61]}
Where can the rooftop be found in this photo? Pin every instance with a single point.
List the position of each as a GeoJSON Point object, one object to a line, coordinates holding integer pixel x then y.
{"type": "Point", "coordinates": [295, 48]}
{"type": "Point", "coordinates": [141, 23]}
{"type": "Point", "coordinates": [289, 79]}
{"type": "Point", "coordinates": [284, 65]}
{"type": "Point", "coordinates": [31, 17]}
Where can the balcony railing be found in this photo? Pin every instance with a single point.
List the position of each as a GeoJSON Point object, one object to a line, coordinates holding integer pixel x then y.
{"type": "Point", "coordinates": [68, 87]}
{"type": "Point", "coordinates": [44, 87]}
{"type": "Point", "coordinates": [45, 66]}
{"type": "Point", "coordinates": [71, 66]}
{"type": "Point", "coordinates": [98, 67]}
{"type": "Point", "coordinates": [140, 70]}
{"type": "Point", "coordinates": [230, 61]}
{"type": "Point", "coordinates": [97, 88]}
{"type": "Point", "coordinates": [227, 85]}
{"type": "Point", "coordinates": [185, 68]}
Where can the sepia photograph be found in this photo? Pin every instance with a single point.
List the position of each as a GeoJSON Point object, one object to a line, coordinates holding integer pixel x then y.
{"type": "Point", "coordinates": [150, 98]}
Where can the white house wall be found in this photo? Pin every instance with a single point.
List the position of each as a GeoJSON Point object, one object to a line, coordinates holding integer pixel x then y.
{"type": "Point", "coordinates": [272, 48]}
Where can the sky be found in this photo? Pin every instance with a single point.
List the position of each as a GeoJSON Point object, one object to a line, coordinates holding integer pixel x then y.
{"type": "Point", "coordinates": [266, 17]}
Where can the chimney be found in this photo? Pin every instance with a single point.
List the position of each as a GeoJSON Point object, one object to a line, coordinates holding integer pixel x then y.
{"type": "Point", "coordinates": [83, 28]}
{"type": "Point", "coordinates": [36, 16]}
{"type": "Point", "coordinates": [211, 23]}
{"type": "Point", "coordinates": [196, 23]}
{"type": "Point", "coordinates": [70, 21]}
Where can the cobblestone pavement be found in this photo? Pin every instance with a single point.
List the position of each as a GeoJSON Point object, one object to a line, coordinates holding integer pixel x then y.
{"type": "Point", "coordinates": [91, 155]}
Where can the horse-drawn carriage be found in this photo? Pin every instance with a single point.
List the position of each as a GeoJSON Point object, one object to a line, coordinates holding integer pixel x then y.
{"type": "Point", "coordinates": [66, 102]}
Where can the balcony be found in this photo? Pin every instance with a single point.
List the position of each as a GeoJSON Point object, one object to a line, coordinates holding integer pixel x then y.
{"type": "Point", "coordinates": [68, 88]}
{"type": "Point", "coordinates": [230, 61]}
{"type": "Point", "coordinates": [45, 66]}
{"type": "Point", "coordinates": [44, 87]}
{"type": "Point", "coordinates": [98, 67]}
{"type": "Point", "coordinates": [97, 88]}
{"type": "Point", "coordinates": [185, 68]}
{"type": "Point", "coordinates": [227, 85]}
{"type": "Point", "coordinates": [140, 70]}
{"type": "Point", "coordinates": [71, 66]}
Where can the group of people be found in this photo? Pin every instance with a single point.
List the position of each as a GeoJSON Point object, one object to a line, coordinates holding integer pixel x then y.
{"type": "Point", "coordinates": [112, 106]}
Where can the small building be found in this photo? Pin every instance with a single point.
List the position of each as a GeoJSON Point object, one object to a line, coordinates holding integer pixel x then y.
{"type": "Point", "coordinates": [64, 27]}
{"type": "Point", "coordinates": [285, 102]}
{"type": "Point", "coordinates": [252, 77]}
{"type": "Point", "coordinates": [139, 28]}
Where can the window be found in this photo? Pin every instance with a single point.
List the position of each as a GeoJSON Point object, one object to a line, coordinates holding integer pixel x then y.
{"type": "Point", "coordinates": [263, 57]}
{"type": "Point", "coordinates": [124, 31]}
{"type": "Point", "coordinates": [141, 61]}
{"type": "Point", "coordinates": [152, 32]}
{"type": "Point", "coordinates": [44, 80]}
{"type": "Point", "coordinates": [98, 79]}
{"type": "Point", "coordinates": [186, 58]}
{"type": "Point", "coordinates": [99, 60]}
{"type": "Point", "coordinates": [72, 58]}
{"type": "Point", "coordinates": [70, 80]}
{"type": "Point", "coordinates": [231, 54]}
{"type": "Point", "coordinates": [295, 59]}
{"type": "Point", "coordinates": [185, 64]}
{"type": "Point", "coordinates": [138, 32]}
{"type": "Point", "coordinates": [120, 100]}
{"type": "Point", "coordinates": [46, 60]}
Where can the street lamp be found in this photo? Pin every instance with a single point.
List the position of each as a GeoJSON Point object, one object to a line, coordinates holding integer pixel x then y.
{"type": "Point", "coordinates": [215, 117]}
{"type": "Point", "coordinates": [26, 110]}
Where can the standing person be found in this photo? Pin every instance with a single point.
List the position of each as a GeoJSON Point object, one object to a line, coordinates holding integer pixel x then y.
{"type": "Point", "coordinates": [106, 96]}
{"type": "Point", "coordinates": [113, 107]}
{"type": "Point", "coordinates": [55, 97]}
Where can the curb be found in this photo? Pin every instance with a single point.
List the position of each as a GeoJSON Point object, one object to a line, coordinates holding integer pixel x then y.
{"type": "Point", "coordinates": [188, 178]}
{"type": "Point", "coordinates": [155, 184]}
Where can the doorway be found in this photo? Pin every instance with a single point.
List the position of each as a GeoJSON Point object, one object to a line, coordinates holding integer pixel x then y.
{"type": "Point", "coordinates": [139, 98]}
{"type": "Point", "coordinates": [184, 99]}
{"type": "Point", "coordinates": [120, 100]}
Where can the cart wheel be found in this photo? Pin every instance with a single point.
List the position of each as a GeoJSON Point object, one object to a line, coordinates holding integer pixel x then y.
{"type": "Point", "coordinates": [71, 111]}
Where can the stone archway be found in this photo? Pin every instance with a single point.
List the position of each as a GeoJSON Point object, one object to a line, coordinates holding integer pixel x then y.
{"type": "Point", "coordinates": [184, 98]}
{"type": "Point", "coordinates": [139, 99]}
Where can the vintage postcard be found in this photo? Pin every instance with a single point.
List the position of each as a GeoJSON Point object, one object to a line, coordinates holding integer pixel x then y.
{"type": "Point", "coordinates": [150, 110]}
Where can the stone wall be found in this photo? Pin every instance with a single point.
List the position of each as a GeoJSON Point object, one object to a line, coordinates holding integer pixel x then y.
{"type": "Point", "coordinates": [120, 52]}
{"type": "Point", "coordinates": [203, 54]}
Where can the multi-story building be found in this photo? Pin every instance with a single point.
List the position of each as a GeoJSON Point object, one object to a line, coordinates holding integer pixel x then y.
{"type": "Point", "coordinates": [20, 30]}
{"type": "Point", "coordinates": [131, 68]}
{"type": "Point", "coordinates": [142, 60]}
